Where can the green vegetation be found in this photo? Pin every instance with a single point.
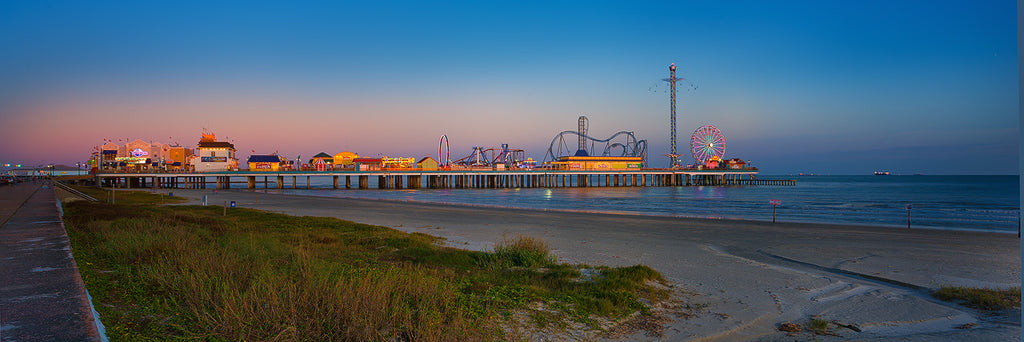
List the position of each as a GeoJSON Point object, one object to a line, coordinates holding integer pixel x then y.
{"type": "Point", "coordinates": [982, 299]}
{"type": "Point", "coordinates": [818, 326]}
{"type": "Point", "coordinates": [129, 197]}
{"type": "Point", "coordinates": [522, 251]}
{"type": "Point", "coordinates": [187, 272]}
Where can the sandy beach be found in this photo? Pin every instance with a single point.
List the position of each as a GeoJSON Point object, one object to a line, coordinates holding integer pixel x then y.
{"type": "Point", "coordinates": [753, 276]}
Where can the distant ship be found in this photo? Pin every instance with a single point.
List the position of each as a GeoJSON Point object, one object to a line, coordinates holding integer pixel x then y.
{"type": "Point", "coordinates": [881, 173]}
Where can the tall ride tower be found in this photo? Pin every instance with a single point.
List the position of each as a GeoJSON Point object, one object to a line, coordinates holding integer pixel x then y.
{"type": "Point", "coordinates": [582, 151]}
{"type": "Point", "coordinates": [672, 155]}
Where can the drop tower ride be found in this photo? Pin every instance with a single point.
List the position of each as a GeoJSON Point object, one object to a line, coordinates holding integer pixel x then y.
{"type": "Point", "coordinates": [672, 155]}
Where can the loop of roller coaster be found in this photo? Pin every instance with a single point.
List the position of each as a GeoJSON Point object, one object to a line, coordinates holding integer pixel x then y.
{"type": "Point", "coordinates": [630, 148]}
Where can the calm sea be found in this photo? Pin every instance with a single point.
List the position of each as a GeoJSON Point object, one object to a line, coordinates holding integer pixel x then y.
{"type": "Point", "coordinates": [989, 203]}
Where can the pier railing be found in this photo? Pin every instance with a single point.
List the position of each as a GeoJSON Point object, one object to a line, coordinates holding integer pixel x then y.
{"type": "Point", "coordinates": [446, 179]}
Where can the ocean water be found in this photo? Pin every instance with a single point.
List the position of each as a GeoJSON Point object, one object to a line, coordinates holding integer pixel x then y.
{"type": "Point", "coordinates": [988, 203]}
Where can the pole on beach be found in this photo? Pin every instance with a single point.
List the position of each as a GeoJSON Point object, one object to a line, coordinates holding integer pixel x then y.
{"type": "Point", "coordinates": [774, 203]}
{"type": "Point", "coordinates": [909, 206]}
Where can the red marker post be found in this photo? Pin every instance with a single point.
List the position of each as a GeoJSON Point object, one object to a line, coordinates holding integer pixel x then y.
{"type": "Point", "coordinates": [774, 203]}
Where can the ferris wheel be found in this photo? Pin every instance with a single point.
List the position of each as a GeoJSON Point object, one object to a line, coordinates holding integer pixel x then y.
{"type": "Point", "coordinates": [707, 142]}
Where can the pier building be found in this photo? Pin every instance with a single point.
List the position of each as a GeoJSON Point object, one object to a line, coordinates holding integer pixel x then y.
{"type": "Point", "coordinates": [367, 164]}
{"type": "Point", "coordinates": [322, 158]}
{"type": "Point", "coordinates": [597, 163]}
{"type": "Point", "coordinates": [214, 155]}
{"type": "Point", "coordinates": [138, 155]}
{"type": "Point", "coordinates": [264, 163]}
{"type": "Point", "coordinates": [177, 158]}
{"type": "Point", "coordinates": [427, 163]}
{"type": "Point", "coordinates": [344, 159]}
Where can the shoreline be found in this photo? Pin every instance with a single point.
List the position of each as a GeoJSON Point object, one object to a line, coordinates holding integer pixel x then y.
{"type": "Point", "coordinates": [637, 214]}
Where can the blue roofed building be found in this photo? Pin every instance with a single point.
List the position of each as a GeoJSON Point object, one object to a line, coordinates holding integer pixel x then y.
{"type": "Point", "coordinates": [270, 162]}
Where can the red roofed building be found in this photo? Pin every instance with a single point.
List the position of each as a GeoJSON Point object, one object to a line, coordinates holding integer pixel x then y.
{"type": "Point", "coordinates": [367, 164]}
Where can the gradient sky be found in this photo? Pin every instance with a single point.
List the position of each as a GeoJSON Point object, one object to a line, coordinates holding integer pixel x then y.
{"type": "Point", "coordinates": [828, 87]}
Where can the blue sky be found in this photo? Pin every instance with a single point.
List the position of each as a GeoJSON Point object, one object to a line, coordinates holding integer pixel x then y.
{"type": "Point", "coordinates": [813, 87]}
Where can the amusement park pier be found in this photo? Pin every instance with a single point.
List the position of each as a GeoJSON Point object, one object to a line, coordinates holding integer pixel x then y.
{"type": "Point", "coordinates": [575, 158]}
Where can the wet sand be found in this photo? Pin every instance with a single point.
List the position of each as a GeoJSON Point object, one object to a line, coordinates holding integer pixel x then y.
{"type": "Point", "coordinates": [752, 275]}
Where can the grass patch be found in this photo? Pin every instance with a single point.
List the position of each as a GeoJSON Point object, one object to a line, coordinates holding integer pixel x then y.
{"type": "Point", "coordinates": [818, 326]}
{"type": "Point", "coordinates": [187, 272]}
{"type": "Point", "coordinates": [982, 299]}
{"type": "Point", "coordinates": [129, 197]}
{"type": "Point", "coordinates": [520, 251]}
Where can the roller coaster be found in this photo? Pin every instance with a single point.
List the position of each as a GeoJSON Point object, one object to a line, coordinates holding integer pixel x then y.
{"type": "Point", "coordinates": [491, 156]}
{"type": "Point", "coordinates": [620, 144]}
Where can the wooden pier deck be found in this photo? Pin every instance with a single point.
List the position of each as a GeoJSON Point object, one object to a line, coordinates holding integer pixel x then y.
{"type": "Point", "coordinates": [442, 179]}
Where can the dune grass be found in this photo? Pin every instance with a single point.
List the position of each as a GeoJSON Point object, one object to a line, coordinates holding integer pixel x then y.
{"type": "Point", "coordinates": [130, 197]}
{"type": "Point", "coordinates": [982, 299]}
{"type": "Point", "coordinates": [187, 272]}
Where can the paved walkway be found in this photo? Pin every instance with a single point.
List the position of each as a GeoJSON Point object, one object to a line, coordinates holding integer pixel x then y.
{"type": "Point", "coordinates": [42, 297]}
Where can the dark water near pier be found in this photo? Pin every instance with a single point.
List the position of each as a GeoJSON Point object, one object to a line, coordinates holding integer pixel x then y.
{"type": "Point", "coordinates": [988, 203]}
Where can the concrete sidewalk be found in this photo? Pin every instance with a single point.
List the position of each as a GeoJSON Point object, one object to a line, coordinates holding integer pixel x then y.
{"type": "Point", "coordinates": [42, 297]}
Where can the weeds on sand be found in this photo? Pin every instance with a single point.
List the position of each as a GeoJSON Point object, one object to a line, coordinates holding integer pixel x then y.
{"type": "Point", "coordinates": [187, 272]}
{"type": "Point", "coordinates": [818, 326]}
{"type": "Point", "coordinates": [520, 251]}
{"type": "Point", "coordinates": [815, 326]}
{"type": "Point", "coordinates": [982, 299]}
